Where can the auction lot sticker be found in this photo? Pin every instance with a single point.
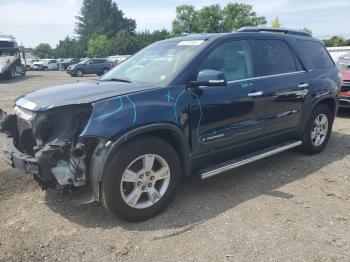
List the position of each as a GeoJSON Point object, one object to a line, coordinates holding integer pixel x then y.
{"type": "Point", "coordinates": [191, 43]}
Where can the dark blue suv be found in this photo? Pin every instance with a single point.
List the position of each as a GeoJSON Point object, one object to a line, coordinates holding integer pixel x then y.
{"type": "Point", "coordinates": [195, 105]}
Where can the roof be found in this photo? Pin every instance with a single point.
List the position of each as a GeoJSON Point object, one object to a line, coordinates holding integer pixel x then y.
{"type": "Point", "coordinates": [244, 31]}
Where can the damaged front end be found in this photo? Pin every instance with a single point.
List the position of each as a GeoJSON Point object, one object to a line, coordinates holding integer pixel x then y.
{"type": "Point", "coordinates": [48, 145]}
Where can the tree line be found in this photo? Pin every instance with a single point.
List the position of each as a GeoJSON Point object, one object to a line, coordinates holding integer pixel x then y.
{"type": "Point", "coordinates": [102, 29]}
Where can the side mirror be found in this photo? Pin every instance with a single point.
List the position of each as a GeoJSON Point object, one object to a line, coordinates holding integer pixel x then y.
{"type": "Point", "coordinates": [210, 78]}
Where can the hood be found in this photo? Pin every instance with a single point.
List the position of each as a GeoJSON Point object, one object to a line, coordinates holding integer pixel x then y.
{"type": "Point", "coordinates": [346, 74]}
{"type": "Point", "coordinates": [77, 93]}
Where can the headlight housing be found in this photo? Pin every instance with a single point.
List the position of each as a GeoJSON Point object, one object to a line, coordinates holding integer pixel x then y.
{"type": "Point", "coordinates": [60, 124]}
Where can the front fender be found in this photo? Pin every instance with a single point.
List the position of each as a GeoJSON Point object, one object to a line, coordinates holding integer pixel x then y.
{"type": "Point", "coordinates": [118, 119]}
{"type": "Point", "coordinates": [106, 150]}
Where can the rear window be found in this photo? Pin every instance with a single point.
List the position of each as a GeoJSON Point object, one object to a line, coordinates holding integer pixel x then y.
{"type": "Point", "coordinates": [275, 57]}
{"type": "Point", "coordinates": [316, 53]}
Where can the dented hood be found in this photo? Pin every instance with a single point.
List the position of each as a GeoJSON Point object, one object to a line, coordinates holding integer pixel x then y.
{"type": "Point", "coordinates": [77, 93]}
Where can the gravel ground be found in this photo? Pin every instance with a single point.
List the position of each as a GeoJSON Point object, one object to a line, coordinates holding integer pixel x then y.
{"type": "Point", "coordinates": [290, 207]}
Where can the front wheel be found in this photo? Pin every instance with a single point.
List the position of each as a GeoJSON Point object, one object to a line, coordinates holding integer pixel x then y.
{"type": "Point", "coordinates": [318, 130]}
{"type": "Point", "coordinates": [79, 73]}
{"type": "Point", "coordinates": [141, 179]}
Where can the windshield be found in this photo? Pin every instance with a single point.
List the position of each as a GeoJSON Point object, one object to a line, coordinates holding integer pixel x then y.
{"type": "Point", "coordinates": [157, 64]}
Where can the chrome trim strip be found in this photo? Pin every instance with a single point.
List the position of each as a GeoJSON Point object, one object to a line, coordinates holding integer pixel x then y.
{"type": "Point", "coordinates": [262, 77]}
{"type": "Point", "coordinates": [249, 160]}
{"type": "Point", "coordinates": [345, 100]}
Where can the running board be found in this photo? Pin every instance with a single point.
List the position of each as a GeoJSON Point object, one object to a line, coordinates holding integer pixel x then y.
{"type": "Point", "coordinates": [232, 164]}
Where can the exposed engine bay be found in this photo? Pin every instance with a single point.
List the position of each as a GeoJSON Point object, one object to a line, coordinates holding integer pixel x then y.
{"type": "Point", "coordinates": [49, 145]}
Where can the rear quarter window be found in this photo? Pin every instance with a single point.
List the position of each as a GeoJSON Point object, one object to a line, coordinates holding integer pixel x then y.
{"type": "Point", "coordinates": [316, 53]}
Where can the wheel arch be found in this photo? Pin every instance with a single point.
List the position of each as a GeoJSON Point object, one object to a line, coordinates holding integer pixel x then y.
{"type": "Point", "coordinates": [329, 101]}
{"type": "Point", "coordinates": [165, 131]}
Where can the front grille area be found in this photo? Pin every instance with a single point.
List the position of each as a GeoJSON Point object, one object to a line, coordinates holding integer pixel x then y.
{"type": "Point", "coordinates": [346, 86]}
{"type": "Point", "coordinates": [24, 141]}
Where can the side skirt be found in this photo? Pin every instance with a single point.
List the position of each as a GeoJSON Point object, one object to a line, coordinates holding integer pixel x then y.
{"type": "Point", "coordinates": [241, 161]}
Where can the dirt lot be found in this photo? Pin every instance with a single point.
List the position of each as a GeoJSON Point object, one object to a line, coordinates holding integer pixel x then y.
{"type": "Point", "coordinates": [289, 207]}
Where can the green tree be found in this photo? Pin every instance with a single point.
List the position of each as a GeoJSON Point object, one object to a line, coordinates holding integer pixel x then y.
{"type": "Point", "coordinates": [185, 21]}
{"type": "Point", "coordinates": [335, 41]}
{"type": "Point", "coordinates": [210, 19]}
{"type": "Point", "coordinates": [214, 19]}
{"type": "Point", "coordinates": [237, 15]}
{"type": "Point", "coordinates": [43, 50]}
{"type": "Point", "coordinates": [69, 47]}
{"type": "Point", "coordinates": [276, 23]}
{"type": "Point", "coordinates": [307, 30]}
{"type": "Point", "coordinates": [98, 46]}
{"type": "Point", "coordinates": [124, 43]}
{"type": "Point", "coordinates": [101, 17]}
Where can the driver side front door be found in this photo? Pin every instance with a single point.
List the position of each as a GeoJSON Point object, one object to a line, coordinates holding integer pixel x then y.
{"type": "Point", "coordinates": [222, 116]}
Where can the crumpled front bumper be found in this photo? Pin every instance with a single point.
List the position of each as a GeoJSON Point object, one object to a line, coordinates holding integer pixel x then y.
{"type": "Point", "coordinates": [19, 160]}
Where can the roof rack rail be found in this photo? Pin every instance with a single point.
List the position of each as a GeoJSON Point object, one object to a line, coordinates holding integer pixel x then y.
{"type": "Point", "coordinates": [274, 30]}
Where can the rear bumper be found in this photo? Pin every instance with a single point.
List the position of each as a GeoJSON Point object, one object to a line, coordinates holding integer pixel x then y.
{"type": "Point", "coordinates": [344, 101]}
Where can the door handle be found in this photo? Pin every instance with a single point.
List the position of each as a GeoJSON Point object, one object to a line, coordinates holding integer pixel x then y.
{"type": "Point", "coordinates": [303, 85]}
{"type": "Point", "coordinates": [258, 93]}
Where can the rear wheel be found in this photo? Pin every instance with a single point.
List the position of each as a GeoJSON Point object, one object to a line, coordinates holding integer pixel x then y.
{"type": "Point", "coordinates": [318, 130]}
{"type": "Point", "coordinates": [141, 179]}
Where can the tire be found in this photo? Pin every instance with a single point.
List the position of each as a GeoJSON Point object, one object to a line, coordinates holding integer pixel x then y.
{"type": "Point", "coordinates": [312, 131]}
{"type": "Point", "coordinates": [79, 73]}
{"type": "Point", "coordinates": [115, 192]}
{"type": "Point", "coordinates": [12, 74]}
{"type": "Point", "coordinates": [46, 69]}
{"type": "Point", "coordinates": [104, 71]}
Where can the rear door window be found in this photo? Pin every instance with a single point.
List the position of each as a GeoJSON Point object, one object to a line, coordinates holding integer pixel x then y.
{"type": "Point", "coordinates": [274, 57]}
{"type": "Point", "coordinates": [316, 53]}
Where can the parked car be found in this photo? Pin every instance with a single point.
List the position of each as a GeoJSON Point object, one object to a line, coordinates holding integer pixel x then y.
{"type": "Point", "coordinates": [69, 61]}
{"type": "Point", "coordinates": [345, 89]}
{"type": "Point", "coordinates": [30, 63]}
{"type": "Point", "coordinates": [46, 65]}
{"type": "Point", "coordinates": [196, 105]}
{"type": "Point", "coordinates": [97, 66]}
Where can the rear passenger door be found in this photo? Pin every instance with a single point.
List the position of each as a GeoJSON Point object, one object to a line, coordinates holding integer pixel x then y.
{"type": "Point", "coordinates": [286, 84]}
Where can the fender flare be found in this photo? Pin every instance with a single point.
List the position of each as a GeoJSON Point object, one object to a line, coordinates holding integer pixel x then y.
{"type": "Point", "coordinates": [316, 102]}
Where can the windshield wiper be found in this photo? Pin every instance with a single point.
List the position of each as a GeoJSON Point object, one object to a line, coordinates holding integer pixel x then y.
{"type": "Point", "coordinates": [118, 80]}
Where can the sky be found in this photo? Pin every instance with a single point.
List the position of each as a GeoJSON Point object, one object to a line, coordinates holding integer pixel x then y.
{"type": "Point", "coordinates": [36, 21]}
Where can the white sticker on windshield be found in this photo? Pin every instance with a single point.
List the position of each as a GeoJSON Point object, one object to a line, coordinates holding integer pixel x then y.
{"type": "Point", "coordinates": [191, 43]}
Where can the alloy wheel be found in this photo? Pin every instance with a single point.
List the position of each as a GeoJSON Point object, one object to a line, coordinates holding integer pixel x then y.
{"type": "Point", "coordinates": [319, 130]}
{"type": "Point", "coordinates": [145, 181]}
